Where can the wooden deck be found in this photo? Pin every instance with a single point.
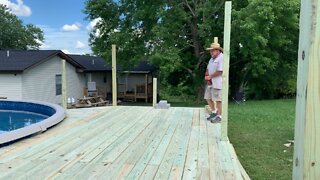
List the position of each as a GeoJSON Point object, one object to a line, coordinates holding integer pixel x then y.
{"type": "Point", "coordinates": [124, 142]}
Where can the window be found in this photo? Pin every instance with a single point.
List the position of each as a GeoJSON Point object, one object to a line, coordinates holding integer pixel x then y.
{"type": "Point", "coordinates": [105, 78]}
{"type": "Point", "coordinates": [58, 84]}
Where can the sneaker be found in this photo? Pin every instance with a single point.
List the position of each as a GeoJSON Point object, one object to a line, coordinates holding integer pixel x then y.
{"type": "Point", "coordinates": [212, 115]}
{"type": "Point", "coordinates": [217, 119]}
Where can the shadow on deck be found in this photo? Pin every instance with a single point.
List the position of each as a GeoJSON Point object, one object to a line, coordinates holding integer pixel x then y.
{"type": "Point", "coordinates": [125, 142]}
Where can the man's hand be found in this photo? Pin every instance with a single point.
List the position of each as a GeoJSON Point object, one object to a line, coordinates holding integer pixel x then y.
{"type": "Point", "coordinates": [207, 78]}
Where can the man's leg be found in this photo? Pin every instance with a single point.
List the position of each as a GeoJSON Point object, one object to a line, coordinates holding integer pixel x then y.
{"type": "Point", "coordinates": [213, 112]}
{"type": "Point", "coordinates": [211, 105]}
{"type": "Point", "coordinates": [219, 107]}
{"type": "Point", "coordinates": [217, 97]}
{"type": "Point", "coordinates": [208, 98]}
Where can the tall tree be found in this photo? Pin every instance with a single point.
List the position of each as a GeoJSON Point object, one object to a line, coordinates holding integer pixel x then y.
{"type": "Point", "coordinates": [15, 35]}
{"type": "Point", "coordinates": [264, 48]}
{"type": "Point", "coordinates": [173, 34]}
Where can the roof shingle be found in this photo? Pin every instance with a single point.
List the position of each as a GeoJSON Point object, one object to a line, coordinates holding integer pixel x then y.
{"type": "Point", "coordinates": [20, 60]}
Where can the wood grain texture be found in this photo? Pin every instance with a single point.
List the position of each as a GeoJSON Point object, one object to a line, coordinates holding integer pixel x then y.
{"type": "Point", "coordinates": [124, 143]}
{"type": "Point", "coordinates": [225, 75]}
{"type": "Point", "coordinates": [306, 164]}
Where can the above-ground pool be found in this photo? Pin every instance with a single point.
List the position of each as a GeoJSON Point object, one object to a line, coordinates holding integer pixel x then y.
{"type": "Point", "coordinates": [22, 118]}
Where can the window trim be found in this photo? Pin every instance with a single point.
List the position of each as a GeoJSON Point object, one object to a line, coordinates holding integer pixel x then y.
{"type": "Point", "coordinates": [58, 85]}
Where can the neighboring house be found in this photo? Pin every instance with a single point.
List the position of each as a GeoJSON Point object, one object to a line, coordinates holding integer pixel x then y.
{"type": "Point", "coordinates": [133, 84]}
{"type": "Point", "coordinates": [96, 70]}
{"type": "Point", "coordinates": [137, 82]}
{"type": "Point", "coordinates": [36, 75]}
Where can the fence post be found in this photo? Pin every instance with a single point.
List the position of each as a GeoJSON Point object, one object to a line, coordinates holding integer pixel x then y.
{"type": "Point", "coordinates": [114, 76]}
{"type": "Point", "coordinates": [306, 159]}
{"type": "Point", "coordinates": [154, 102]}
{"type": "Point", "coordinates": [225, 75]}
{"type": "Point", "coordinates": [64, 84]}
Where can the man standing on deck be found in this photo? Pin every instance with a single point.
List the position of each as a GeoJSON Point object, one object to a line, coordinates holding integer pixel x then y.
{"type": "Point", "coordinates": [214, 72]}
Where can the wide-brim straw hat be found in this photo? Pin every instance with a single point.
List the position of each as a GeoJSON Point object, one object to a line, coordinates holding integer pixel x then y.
{"type": "Point", "coordinates": [215, 45]}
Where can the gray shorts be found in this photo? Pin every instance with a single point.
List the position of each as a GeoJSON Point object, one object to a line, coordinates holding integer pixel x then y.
{"type": "Point", "coordinates": [213, 94]}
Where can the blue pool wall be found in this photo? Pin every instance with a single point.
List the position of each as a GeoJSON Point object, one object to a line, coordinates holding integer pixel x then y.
{"type": "Point", "coordinates": [28, 107]}
{"type": "Point", "coordinates": [55, 112]}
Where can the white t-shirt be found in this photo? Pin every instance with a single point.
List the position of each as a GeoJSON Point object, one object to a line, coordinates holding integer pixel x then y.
{"type": "Point", "coordinates": [214, 65]}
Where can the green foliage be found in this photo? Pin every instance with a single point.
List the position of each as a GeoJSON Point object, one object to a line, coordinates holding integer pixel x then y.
{"type": "Point", "coordinates": [173, 35]}
{"type": "Point", "coordinates": [266, 61]}
{"type": "Point", "coordinates": [15, 35]}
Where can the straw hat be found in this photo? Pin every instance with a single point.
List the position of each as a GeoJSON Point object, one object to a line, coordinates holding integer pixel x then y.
{"type": "Point", "coordinates": [215, 45]}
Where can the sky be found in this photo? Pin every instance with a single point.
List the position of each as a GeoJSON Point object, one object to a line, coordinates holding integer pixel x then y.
{"type": "Point", "coordinates": [62, 21]}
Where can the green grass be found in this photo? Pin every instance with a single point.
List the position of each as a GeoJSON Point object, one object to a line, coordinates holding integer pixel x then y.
{"type": "Point", "coordinates": [258, 130]}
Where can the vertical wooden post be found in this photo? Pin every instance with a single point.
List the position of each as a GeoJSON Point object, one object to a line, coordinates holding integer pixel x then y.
{"type": "Point", "coordinates": [64, 84]}
{"type": "Point", "coordinates": [225, 75]}
{"type": "Point", "coordinates": [114, 76]}
{"type": "Point", "coordinates": [306, 159]}
{"type": "Point", "coordinates": [146, 87]}
{"type": "Point", "coordinates": [154, 102]}
{"type": "Point", "coordinates": [89, 77]}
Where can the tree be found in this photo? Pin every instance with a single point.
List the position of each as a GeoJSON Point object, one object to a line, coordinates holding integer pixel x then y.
{"type": "Point", "coordinates": [174, 34]}
{"type": "Point", "coordinates": [265, 43]}
{"type": "Point", "coordinates": [15, 35]}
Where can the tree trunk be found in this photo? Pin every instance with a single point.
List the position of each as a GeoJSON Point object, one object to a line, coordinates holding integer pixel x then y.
{"type": "Point", "coordinates": [195, 36]}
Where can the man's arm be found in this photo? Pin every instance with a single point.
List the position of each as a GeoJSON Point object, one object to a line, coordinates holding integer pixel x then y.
{"type": "Point", "coordinates": [215, 74]}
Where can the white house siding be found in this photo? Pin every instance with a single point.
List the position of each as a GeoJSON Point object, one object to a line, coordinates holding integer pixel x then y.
{"type": "Point", "coordinates": [75, 82]}
{"type": "Point", "coordinates": [38, 83]}
{"type": "Point", "coordinates": [103, 82]}
{"type": "Point", "coordinates": [109, 82]}
{"type": "Point", "coordinates": [136, 79]}
{"type": "Point", "coordinates": [10, 86]}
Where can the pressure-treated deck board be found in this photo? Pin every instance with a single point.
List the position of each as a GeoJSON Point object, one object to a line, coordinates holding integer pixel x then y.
{"type": "Point", "coordinates": [190, 167]}
{"type": "Point", "coordinates": [149, 151]}
{"type": "Point", "coordinates": [203, 154]}
{"type": "Point", "coordinates": [133, 149]}
{"type": "Point", "coordinates": [180, 157]}
{"type": "Point", "coordinates": [175, 144]}
{"type": "Point", "coordinates": [49, 138]}
{"type": "Point", "coordinates": [29, 152]}
{"type": "Point", "coordinates": [103, 161]}
{"type": "Point", "coordinates": [78, 149]}
{"type": "Point", "coordinates": [57, 150]}
{"type": "Point", "coordinates": [124, 142]}
{"type": "Point", "coordinates": [107, 148]}
{"type": "Point", "coordinates": [214, 158]}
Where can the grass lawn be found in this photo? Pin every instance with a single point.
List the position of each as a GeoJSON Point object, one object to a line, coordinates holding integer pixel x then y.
{"type": "Point", "coordinates": [258, 130]}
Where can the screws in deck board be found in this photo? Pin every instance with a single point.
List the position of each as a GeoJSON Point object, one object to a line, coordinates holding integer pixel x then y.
{"type": "Point", "coordinates": [313, 164]}
{"type": "Point", "coordinates": [297, 162]}
{"type": "Point", "coordinates": [303, 55]}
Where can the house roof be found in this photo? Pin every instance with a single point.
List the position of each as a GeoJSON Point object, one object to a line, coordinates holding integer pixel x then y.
{"type": "Point", "coordinates": [95, 64]}
{"type": "Point", "coordinates": [92, 63]}
{"type": "Point", "coordinates": [142, 67]}
{"type": "Point", "coordinates": [20, 60]}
